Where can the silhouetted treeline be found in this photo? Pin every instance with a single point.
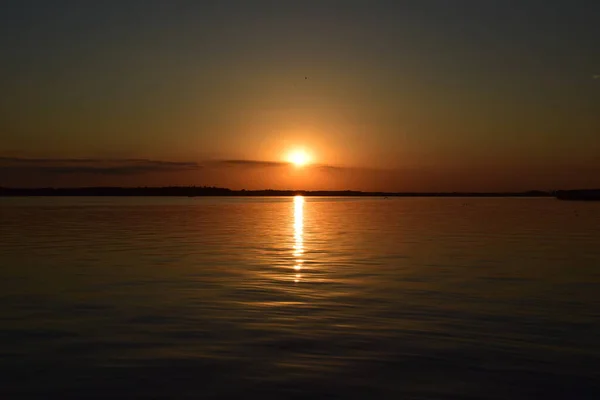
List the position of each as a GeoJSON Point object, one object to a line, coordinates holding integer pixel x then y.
{"type": "Point", "coordinates": [582, 194]}
{"type": "Point", "coordinates": [118, 191]}
{"type": "Point", "coordinates": [216, 191]}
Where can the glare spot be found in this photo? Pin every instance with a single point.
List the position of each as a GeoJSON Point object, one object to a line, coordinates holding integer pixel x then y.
{"type": "Point", "coordinates": [299, 158]}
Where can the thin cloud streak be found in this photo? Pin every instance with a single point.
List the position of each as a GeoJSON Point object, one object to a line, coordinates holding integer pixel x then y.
{"type": "Point", "coordinates": [269, 164]}
{"type": "Point", "coordinates": [251, 163]}
{"type": "Point", "coordinates": [68, 166]}
{"type": "Point", "coordinates": [131, 166]}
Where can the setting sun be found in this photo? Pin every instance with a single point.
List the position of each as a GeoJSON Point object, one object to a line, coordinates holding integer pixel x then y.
{"type": "Point", "coordinates": [299, 158]}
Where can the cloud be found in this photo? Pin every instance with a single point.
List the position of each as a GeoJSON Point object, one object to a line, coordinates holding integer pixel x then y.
{"type": "Point", "coordinates": [325, 167]}
{"type": "Point", "coordinates": [252, 163]}
{"type": "Point", "coordinates": [47, 167]}
{"type": "Point", "coordinates": [66, 166]}
{"type": "Point", "coordinates": [260, 163]}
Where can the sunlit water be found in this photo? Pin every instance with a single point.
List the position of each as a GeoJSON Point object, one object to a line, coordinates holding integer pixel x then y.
{"type": "Point", "coordinates": [299, 298]}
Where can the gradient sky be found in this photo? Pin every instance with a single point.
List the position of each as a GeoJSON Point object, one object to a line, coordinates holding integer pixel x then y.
{"type": "Point", "coordinates": [400, 95]}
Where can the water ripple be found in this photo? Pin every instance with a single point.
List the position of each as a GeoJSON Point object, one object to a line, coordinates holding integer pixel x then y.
{"type": "Point", "coordinates": [339, 298]}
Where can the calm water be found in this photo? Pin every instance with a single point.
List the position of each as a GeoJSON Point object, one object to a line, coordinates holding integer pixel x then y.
{"type": "Point", "coordinates": [416, 298]}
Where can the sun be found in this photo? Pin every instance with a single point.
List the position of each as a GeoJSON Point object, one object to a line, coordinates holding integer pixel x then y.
{"type": "Point", "coordinates": [299, 158]}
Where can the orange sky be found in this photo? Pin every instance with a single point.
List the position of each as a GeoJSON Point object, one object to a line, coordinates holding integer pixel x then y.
{"type": "Point", "coordinates": [384, 95]}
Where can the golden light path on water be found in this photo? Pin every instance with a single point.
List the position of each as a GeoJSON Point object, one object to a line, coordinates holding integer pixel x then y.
{"type": "Point", "coordinates": [298, 236]}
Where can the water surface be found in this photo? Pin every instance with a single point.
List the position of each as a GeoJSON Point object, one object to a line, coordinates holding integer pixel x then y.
{"type": "Point", "coordinates": [422, 298]}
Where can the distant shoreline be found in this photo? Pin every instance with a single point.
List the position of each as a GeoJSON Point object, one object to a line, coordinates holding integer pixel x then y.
{"type": "Point", "coordinates": [180, 191]}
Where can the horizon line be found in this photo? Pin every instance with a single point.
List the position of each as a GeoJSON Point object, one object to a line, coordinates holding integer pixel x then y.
{"type": "Point", "coordinates": [215, 190]}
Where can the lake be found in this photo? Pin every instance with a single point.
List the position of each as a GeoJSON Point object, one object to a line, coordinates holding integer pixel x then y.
{"type": "Point", "coordinates": [412, 298]}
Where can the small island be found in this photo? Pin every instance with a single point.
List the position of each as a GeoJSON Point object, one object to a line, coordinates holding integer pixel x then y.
{"type": "Point", "coordinates": [580, 194]}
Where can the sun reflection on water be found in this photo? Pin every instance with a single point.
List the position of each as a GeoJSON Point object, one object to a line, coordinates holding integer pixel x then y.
{"type": "Point", "coordinates": [298, 235]}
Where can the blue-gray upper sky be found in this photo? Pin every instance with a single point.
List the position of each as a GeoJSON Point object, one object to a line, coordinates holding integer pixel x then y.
{"type": "Point", "coordinates": [408, 86]}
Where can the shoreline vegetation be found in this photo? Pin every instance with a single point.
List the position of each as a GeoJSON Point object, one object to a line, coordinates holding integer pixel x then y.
{"type": "Point", "coordinates": [197, 191]}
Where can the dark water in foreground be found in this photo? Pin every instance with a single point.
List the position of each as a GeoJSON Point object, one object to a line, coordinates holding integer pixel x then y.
{"type": "Point", "coordinates": [323, 298]}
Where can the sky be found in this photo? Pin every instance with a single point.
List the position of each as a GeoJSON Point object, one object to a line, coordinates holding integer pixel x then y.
{"type": "Point", "coordinates": [423, 95]}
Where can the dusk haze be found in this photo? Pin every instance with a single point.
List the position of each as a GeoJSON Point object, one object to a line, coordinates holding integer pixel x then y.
{"type": "Point", "coordinates": [425, 95]}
